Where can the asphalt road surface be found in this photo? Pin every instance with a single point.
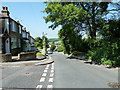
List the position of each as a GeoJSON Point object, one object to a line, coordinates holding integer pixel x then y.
{"type": "Point", "coordinates": [63, 73]}
{"type": "Point", "coordinates": [74, 73]}
{"type": "Point", "coordinates": [29, 76]}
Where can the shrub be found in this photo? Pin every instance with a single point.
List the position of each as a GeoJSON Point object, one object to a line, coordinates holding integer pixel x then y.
{"type": "Point", "coordinates": [108, 62]}
{"type": "Point", "coordinates": [16, 51]}
{"type": "Point", "coordinates": [77, 53]}
{"type": "Point", "coordinates": [39, 54]}
{"type": "Point", "coordinates": [60, 49]}
{"type": "Point", "coordinates": [52, 48]}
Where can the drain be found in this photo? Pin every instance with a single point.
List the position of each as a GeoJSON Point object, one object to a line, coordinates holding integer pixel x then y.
{"type": "Point", "coordinates": [28, 73]}
{"type": "Point", "coordinates": [114, 85]}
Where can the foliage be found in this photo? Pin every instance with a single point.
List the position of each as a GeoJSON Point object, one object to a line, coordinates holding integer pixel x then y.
{"type": "Point", "coordinates": [103, 35]}
{"type": "Point", "coordinates": [39, 54]}
{"type": "Point", "coordinates": [61, 48]}
{"type": "Point", "coordinates": [52, 48]}
{"type": "Point", "coordinates": [16, 51]}
{"type": "Point", "coordinates": [108, 47]}
{"type": "Point", "coordinates": [45, 41]}
{"type": "Point", "coordinates": [77, 53]}
{"type": "Point", "coordinates": [38, 42]}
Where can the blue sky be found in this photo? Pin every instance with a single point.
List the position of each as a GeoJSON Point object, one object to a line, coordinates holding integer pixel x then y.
{"type": "Point", "coordinates": [31, 16]}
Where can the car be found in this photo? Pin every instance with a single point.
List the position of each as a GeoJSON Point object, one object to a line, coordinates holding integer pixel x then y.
{"type": "Point", "coordinates": [49, 52]}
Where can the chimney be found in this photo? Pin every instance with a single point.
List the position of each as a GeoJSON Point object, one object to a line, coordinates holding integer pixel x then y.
{"type": "Point", "coordinates": [5, 11]}
{"type": "Point", "coordinates": [18, 22]}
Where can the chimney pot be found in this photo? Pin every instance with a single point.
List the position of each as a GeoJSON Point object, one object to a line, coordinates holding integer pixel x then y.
{"type": "Point", "coordinates": [4, 8]}
{"type": "Point", "coordinates": [5, 11]}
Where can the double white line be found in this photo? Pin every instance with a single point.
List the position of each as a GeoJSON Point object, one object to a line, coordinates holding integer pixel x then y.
{"type": "Point", "coordinates": [45, 74]}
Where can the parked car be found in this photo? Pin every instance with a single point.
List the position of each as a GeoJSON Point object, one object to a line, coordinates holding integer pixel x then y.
{"type": "Point", "coordinates": [49, 52]}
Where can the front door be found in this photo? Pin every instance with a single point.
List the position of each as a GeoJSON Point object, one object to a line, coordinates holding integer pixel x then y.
{"type": "Point", "coordinates": [7, 45]}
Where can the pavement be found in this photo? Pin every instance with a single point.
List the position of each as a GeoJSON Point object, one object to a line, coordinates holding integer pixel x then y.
{"type": "Point", "coordinates": [35, 62]}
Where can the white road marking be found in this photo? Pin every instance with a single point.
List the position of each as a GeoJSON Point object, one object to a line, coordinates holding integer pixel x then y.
{"type": "Point", "coordinates": [45, 70]}
{"type": "Point", "coordinates": [51, 74]}
{"type": "Point", "coordinates": [42, 79]}
{"type": "Point", "coordinates": [47, 65]}
{"type": "Point", "coordinates": [44, 74]}
{"type": "Point", "coordinates": [50, 86]}
{"type": "Point", "coordinates": [52, 70]}
{"type": "Point", "coordinates": [50, 79]}
{"type": "Point", "coordinates": [39, 86]}
{"type": "Point", "coordinates": [52, 67]}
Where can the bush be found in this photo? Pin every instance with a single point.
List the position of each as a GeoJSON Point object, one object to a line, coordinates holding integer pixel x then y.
{"type": "Point", "coordinates": [77, 53]}
{"type": "Point", "coordinates": [39, 54]}
{"type": "Point", "coordinates": [16, 51]}
{"type": "Point", "coordinates": [60, 49]}
{"type": "Point", "coordinates": [108, 62]}
{"type": "Point", "coordinates": [52, 48]}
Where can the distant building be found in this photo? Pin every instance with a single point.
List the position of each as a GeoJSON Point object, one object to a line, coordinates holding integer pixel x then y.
{"type": "Point", "coordinates": [13, 37]}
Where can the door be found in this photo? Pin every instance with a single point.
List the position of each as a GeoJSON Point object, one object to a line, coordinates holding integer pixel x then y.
{"type": "Point", "coordinates": [7, 45]}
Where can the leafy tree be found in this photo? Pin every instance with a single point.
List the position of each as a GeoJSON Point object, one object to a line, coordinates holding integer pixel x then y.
{"type": "Point", "coordinates": [75, 17]}
{"type": "Point", "coordinates": [38, 42]}
{"type": "Point", "coordinates": [45, 44]}
{"type": "Point", "coordinates": [52, 48]}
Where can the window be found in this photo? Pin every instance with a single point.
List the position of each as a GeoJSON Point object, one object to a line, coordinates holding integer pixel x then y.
{"type": "Point", "coordinates": [20, 30]}
{"type": "Point", "coordinates": [13, 26]}
{"type": "Point", "coordinates": [24, 34]}
{"type": "Point", "coordinates": [19, 43]}
{"type": "Point", "coordinates": [14, 42]}
{"type": "Point", "coordinates": [7, 24]}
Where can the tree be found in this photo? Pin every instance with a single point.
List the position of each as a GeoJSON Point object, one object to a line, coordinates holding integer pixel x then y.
{"type": "Point", "coordinates": [38, 42]}
{"type": "Point", "coordinates": [75, 17]}
{"type": "Point", "coordinates": [45, 45]}
{"type": "Point", "coordinates": [52, 48]}
{"type": "Point", "coordinates": [87, 15]}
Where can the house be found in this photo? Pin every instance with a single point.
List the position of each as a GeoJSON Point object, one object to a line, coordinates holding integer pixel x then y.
{"type": "Point", "coordinates": [13, 37]}
{"type": "Point", "coordinates": [5, 31]}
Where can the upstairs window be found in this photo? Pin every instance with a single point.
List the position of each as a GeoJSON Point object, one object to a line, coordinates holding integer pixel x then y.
{"type": "Point", "coordinates": [20, 29]}
{"type": "Point", "coordinates": [13, 26]}
{"type": "Point", "coordinates": [7, 24]}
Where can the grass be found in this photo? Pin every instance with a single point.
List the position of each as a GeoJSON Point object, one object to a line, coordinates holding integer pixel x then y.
{"type": "Point", "coordinates": [39, 54]}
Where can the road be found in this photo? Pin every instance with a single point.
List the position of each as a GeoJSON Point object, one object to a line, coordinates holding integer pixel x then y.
{"type": "Point", "coordinates": [29, 76]}
{"type": "Point", "coordinates": [73, 73]}
{"type": "Point", "coordinates": [63, 73]}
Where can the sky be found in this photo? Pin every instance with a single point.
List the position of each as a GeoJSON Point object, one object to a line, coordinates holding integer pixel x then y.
{"type": "Point", "coordinates": [31, 16]}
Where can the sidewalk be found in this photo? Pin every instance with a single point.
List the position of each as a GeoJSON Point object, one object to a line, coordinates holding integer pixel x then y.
{"type": "Point", "coordinates": [29, 63]}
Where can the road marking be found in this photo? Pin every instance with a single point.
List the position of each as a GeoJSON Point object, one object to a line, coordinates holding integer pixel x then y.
{"type": "Point", "coordinates": [52, 67]}
{"type": "Point", "coordinates": [47, 65]}
{"type": "Point", "coordinates": [45, 70]}
{"type": "Point", "coordinates": [50, 79]}
{"type": "Point", "coordinates": [52, 70]}
{"type": "Point", "coordinates": [50, 86]}
{"type": "Point", "coordinates": [39, 86]}
{"type": "Point", "coordinates": [51, 74]}
{"type": "Point", "coordinates": [42, 79]}
{"type": "Point", "coordinates": [44, 74]}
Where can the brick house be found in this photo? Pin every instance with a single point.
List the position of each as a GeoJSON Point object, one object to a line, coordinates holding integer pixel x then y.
{"type": "Point", "coordinates": [12, 35]}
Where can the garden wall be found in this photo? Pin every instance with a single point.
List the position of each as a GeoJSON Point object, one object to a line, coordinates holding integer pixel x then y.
{"type": "Point", "coordinates": [5, 57]}
{"type": "Point", "coordinates": [27, 56]}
